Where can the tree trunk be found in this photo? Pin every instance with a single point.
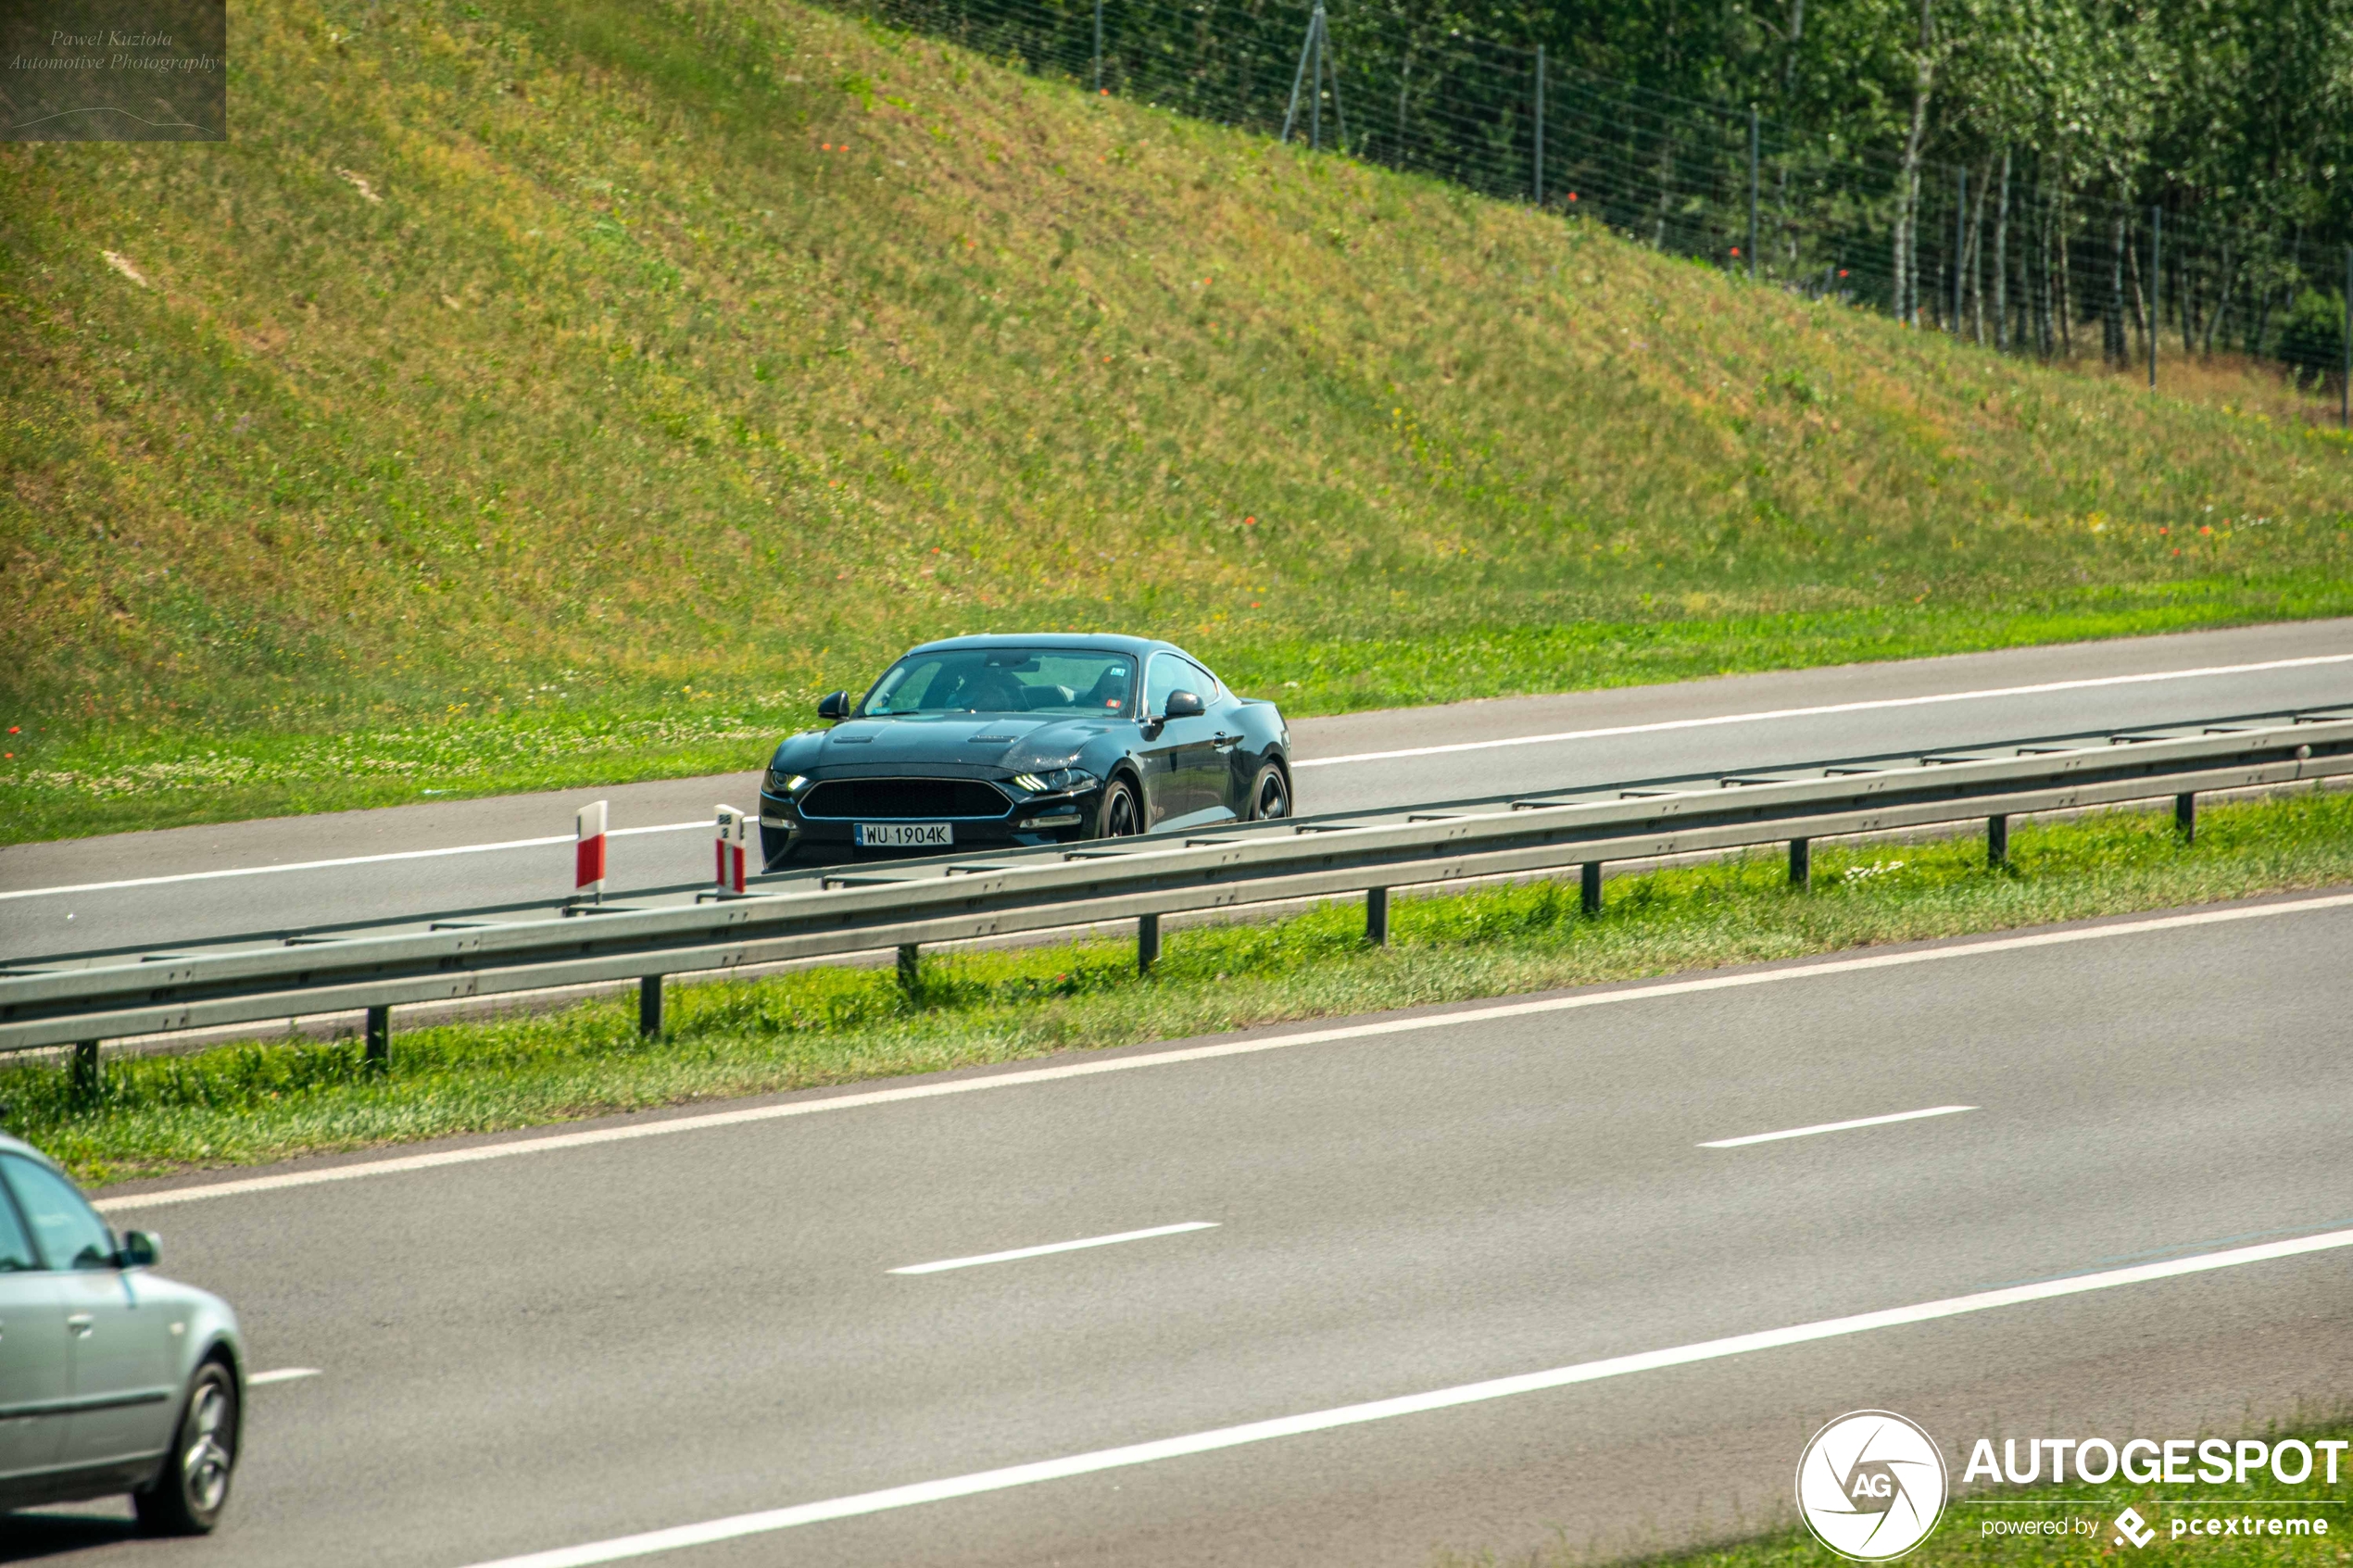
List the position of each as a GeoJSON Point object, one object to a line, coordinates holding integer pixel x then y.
{"type": "Point", "coordinates": [2002, 259]}
{"type": "Point", "coordinates": [2064, 294]}
{"type": "Point", "coordinates": [1973, 264]}
{"type": "Point", "coordinates": [1908, 208]}
{"type": "Point", "coordinates": [2112, 314]}
{"type": "Point", "coordinates": [2222, 305]}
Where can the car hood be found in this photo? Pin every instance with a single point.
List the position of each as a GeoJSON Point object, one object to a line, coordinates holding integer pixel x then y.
{"type": "Point", "coordinates": [1017, 743]}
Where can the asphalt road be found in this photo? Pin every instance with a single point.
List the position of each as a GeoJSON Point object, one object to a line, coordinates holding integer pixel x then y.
{"type": "Point", "coordinates": [514, 852]}
{"type": "Point", "coordinates": [578, 1343]}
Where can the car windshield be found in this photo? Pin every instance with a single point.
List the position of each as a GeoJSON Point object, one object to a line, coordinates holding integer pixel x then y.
{"type": "Point", "coordinates": [1060, 681]}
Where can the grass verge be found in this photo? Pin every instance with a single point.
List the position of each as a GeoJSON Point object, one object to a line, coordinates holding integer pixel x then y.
{"type": "Point", "coordinates": [536, 395]}
{"type": "Point", "coordinates": [1962, 1538]}
{"type": "Point", "coordinates": [244, 1103]}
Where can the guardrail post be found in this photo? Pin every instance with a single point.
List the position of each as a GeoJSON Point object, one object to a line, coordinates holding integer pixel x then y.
{"type": "Point", "coordinates": [378, 1055]}
{"type": "Point", "coordinates": [1801, 863]}
{"type": "Point", "coordinates": [2185, 816]}
{"type": "Point", "coordinates": [81, 1071]}
{"type": "Point", "coordinates": [911, 976]}
{"type": "Point", "coordinates": [1589, 887]}
{"type": "Point", "coordinates": [649, 1005]}
{"type": "Point", "coordinates": [1377, 916]}
{"type": "Point", "coordinates": [1998, 841]}
{"type": "Point", "coordinates": [1147, 943]}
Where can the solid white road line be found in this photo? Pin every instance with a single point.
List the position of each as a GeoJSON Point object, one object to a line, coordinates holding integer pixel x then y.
{"type": "Point", "coordinates": [284, 1375]}
{"type": "Point", "coordinates": [346, 861]}
{"type": "Point", "coordinates": [1838, 1126]}
{"type": "Point", "coordinates": [936, 1089]}
{"type": "Point", "coordinates": [1871, 707]}
{"type": "Point", "coordinates": [1019, 1252]}
{"type": "Point", "coordinates": [742, 1524]}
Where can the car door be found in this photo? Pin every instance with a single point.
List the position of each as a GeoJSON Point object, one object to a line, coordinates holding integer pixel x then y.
{"type": "Point", "coordinates": [35, 1361]}
{"type": "Point", "coordinates": [121, 1371]}
{"type": "Point", "coordinates": [1178, 756]}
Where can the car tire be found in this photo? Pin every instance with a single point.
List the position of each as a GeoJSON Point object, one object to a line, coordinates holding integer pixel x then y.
{"type": "Point", "coordinates": [1269, 795]}
{"type": "Point", "coordinates": [193, 1487]}
{"type": "Point", "coordinates": [1121, 814]}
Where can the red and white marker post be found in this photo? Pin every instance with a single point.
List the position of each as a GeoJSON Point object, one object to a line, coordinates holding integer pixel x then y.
{"type": "Point", "coordinates": [588, 857]}
{"type": "Point", "coordinates": [727, 852]}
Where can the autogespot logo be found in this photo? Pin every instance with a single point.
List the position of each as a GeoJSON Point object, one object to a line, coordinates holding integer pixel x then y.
{"type": "Point", "coordinates": [1871, 1485]}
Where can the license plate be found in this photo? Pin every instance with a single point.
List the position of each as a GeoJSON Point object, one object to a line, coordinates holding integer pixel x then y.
{"type": "Point", "coordinates": [904, 835]}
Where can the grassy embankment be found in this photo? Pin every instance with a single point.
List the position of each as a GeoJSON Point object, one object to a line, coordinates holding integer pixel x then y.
{"type": "Point", "coordinates": [263, 1101]}
{"type": "Point", "coordinates": [533, 395]}
{"type": "Point", "coordinates": [1962, 1540]}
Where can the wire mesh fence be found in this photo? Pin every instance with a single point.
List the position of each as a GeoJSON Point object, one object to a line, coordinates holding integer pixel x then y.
{"type": "Point", "coordinates": [1992, 251]}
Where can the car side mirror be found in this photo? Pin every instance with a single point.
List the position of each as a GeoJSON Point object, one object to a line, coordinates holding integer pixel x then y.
{"type": "Point", "coordinates": [834, 705]}
{"type": "Point", "coordinates": [1184, 704]}
{"type": "Point", "coordinates": [139, 1250]}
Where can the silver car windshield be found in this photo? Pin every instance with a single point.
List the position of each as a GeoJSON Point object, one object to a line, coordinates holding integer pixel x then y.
{"type": "Point", "coordinates": [1055, 680]}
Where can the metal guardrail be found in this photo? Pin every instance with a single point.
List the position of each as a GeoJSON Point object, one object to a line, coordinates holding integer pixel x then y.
{"type": "Point", "coordinates": [905, 905]}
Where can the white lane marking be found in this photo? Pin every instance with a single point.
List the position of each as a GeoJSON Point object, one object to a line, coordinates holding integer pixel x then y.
{"type": "Point", "coordinates": [284, 1375]}
{"type": "Point", "coordinates": [742, 1524]}
{"type": "Point", "coordinates": [1020, 1252]}
{"type": "Point", "coordinates": [1766, 715]}
{"type": "Point", "coordinates": [346, 861]}
{"type": "Point", "coordinates": [167, 1196]}
{"type": "Point", "coordinates": [1838, 1126]}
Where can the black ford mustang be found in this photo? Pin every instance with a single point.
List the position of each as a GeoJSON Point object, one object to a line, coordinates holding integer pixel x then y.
{"type": "Point", "coordinates": [991, 742]}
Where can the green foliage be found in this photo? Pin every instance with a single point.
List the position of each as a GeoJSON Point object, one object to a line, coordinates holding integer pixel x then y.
{"type": "Point", "coordinates": [2312, 339]}
{"type": "Point", "coordinates": [570, 394]}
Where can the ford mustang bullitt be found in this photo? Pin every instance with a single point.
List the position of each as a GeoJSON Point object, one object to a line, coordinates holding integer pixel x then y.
{"type": "Point", "coordinates": [984, 743]}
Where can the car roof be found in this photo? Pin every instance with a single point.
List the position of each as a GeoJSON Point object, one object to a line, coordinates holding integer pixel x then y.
{"type": "Point", "coordinates": [18, 1146]}
{"type": "Point", "coordinates": [1108, 642]}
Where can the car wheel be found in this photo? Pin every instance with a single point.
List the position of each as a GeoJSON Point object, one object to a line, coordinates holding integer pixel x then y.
{"type": "Point", "coordinates": [1269, 795]}
{"type": "Point", "coordinates": [194, 1486]}
{"type": "Point", "coordinates": [1122, 813]}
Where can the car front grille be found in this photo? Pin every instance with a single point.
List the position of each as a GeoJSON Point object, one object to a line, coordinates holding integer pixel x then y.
{"type": "Point", "coordinates": [889, 800]}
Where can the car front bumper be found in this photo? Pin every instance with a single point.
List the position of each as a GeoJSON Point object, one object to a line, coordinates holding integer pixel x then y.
{"type": "Point", "coordinates": [786, 835]}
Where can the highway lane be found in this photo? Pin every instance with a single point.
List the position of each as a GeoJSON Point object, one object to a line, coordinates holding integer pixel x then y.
{"type": "Point", "coordinates": [573, 1346]}
{"type": "Point", "coordinates": [514, 852]}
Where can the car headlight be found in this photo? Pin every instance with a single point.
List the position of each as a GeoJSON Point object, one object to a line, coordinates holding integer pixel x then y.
{"type": "Point", "coordinates": [787, 785]}
{"type": "Point", "coordinates": [1062, 781]}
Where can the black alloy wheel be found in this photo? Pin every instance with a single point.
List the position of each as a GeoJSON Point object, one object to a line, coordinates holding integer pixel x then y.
{"type": "Point", "coordinates": [1269, 795]}
{"type": "Point", "coordinates": [193, 1487]}
{"type": "Point", "coordinates": [1121, 814]}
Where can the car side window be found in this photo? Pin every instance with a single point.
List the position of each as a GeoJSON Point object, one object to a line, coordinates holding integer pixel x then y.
{"type": "Point", "coordinates": [68, 1233]}
{"type": "Point", "coordinates": [1168, 673]}
{"type": "Point", "coordinates": [15, 1248]}
{"type": "Point", "coordinates": [1205, 685]}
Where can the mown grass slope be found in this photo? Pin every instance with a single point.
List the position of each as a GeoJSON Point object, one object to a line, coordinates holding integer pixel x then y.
{"type": "Point", "coordinates": [538, 393]}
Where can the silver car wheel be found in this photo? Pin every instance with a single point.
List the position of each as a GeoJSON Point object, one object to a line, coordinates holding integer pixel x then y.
{"type": "Point", "coordinates": [1271, 800]}
{"type": "Point", "coordinates": [205, 1464]}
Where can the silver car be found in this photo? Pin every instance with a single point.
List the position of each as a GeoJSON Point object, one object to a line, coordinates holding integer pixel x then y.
{"type": "Point", "coordinates": [112, 1379]}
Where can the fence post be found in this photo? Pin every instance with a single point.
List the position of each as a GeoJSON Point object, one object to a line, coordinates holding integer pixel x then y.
{"type": "Point", "coordinates": [1998, 841]}
{"type": "Point", "coordinates": [2185, 815]}
{"type": "Point", "coordinates": [1377, 916]}
{"type": "Point", "coordinates": [1539, 125]}
{"type": "Point", "coordinates": [1751, 193]}
{"type": "Point", "coordinates": [1589, 887]}
{"type": "Point", "coordinates": [377, 1055]}
{"type": "Point", "coordinates": [81, 1071]}
{"type": "Point", "coordinates": [1147, 943]}
{"type": "Point", "coordinates": [910, 969]}
{"type": "Point", "coordinates": [2157, 281]}
{"type": "Point", "coordinates": [1098, 45]}
{"type": "Point", "coordinates": [1801, 863]}
{"type": "Point", "coordinates": [649, 1005]}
